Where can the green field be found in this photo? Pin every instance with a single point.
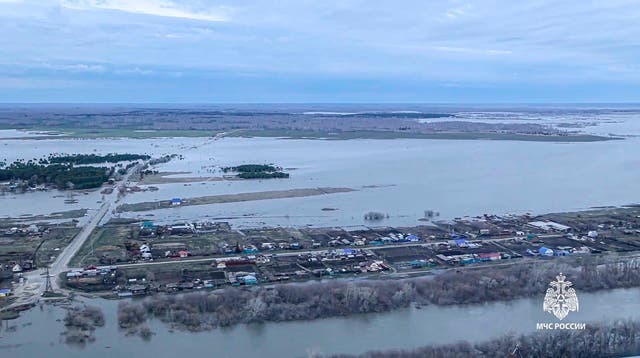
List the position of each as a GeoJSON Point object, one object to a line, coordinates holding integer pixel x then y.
{"type": "Point", "coordinates": [302, 134]}
{"type": "Point", "coordinates": [232, 198]}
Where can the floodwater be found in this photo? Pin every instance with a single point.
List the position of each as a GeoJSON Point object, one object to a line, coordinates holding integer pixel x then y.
{"type": "Point", "coordinates": [54, 201]}
{"type": "Point", "coordinates": [402, 177]}
{"type": "Point", "coordinates": [38, 331]}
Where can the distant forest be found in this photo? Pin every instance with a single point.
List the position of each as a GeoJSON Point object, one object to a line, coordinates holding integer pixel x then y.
{"type": "Point", "coordinates": [84, 121]}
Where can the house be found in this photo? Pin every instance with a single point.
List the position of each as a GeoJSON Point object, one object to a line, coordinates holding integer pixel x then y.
{"type": "Point", "coordinates": [549, 226]}
{"type": "Point", "coordinates": [492, 256]}
{"type": "Point", "coordinates": [545, 251]}
{"type": "Point", "coordinates": [176, 201]}
{"type": "Point", "coordinates": [138, 290]}
{"type": "Point", "coordinates": [249, 249]}
{"type": "Point", "coordinates": [581, 250]}
{"type": "Point", "coordinates": [147, 229]}
{"type": "Point", "coordinates": [249, 280]}
{"type": "Point", "coordinates": [348, 251]}
{"type": "Point", "coordinates": [461, 243]}
{"type": "Point", "coordinates": [123, 294]}
{"type": "Point", "coordinates": [412, 238]}
{"type": "Point", "coordinates": [183, 253]}
{"type": "Point", "coordinates": [5, 292]}
{"type": "Point", "coordinates": [17, 268]}
{"type": "Point", "coordinates": [444, 258]}
{"type": "Point", "coordinates": [467, 259]}
{"type": "Point", "coordinates": [267, 246]}
{"type": "Point", "coordinates": [185, 228]}
{"type": "Point", "coordinates": [73, 274]}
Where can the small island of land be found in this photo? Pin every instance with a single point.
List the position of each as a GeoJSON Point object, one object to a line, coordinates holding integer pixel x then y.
{"type": "Point", "coordinates": [232, 198]}
{"type": "Point", "coordinates": [257, 171]}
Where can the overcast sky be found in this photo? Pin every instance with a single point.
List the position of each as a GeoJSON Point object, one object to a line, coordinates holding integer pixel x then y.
{"type": "Point", "coordinates": [319, 51]}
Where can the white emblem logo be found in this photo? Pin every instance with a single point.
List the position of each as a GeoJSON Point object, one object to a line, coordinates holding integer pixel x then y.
{"type": "Point", "coordinates": [561, 298]}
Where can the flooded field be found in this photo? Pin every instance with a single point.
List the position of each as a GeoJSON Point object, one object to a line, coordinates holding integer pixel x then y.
{"type": "Point", "coordinates": [400, 177]}
{"type": "Point", "coordinates": [405, 177]}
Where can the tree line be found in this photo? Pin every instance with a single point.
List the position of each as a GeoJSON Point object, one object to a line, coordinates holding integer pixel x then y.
{"type": "Point", "coordinates": [251, 168]}
{"type": "Point", "coordinates": [62, 175]}
{"type": "Point", "coordinates": [95, 158]}
{"type": "Point", "coordinates": [287, 302]}
{"type": "Point", "coordinates": [257, 171]}
{"type": "Point", "coordinates": [619, 338]}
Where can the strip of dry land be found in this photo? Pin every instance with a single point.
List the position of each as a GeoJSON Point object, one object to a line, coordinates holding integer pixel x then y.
{"type": "Point", "coordinates": [233, 198]}
{"type": "Point", "coordinates": [167, 178]}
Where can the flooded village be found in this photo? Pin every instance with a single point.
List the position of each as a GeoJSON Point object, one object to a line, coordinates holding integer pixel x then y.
{"type": "Point", "coordinates": [319, 179]}
{"type": "Point", "coordinates": [125, 258]}
{"type": "Point", "coordinates": [226, 231]}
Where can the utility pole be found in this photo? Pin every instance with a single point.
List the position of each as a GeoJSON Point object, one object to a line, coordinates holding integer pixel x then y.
{"type": "Point", "coordinates": [47, 287]}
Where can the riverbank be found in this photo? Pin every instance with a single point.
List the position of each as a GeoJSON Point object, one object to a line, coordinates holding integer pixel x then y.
{"type": "Point", "coordinates": [315, 300]}
{"type": "Point", "coordinates": [38, 330]}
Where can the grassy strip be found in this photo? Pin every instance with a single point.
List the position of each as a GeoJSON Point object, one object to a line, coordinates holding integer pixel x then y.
{"type": "Point", "coordinates": [232, 198]}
